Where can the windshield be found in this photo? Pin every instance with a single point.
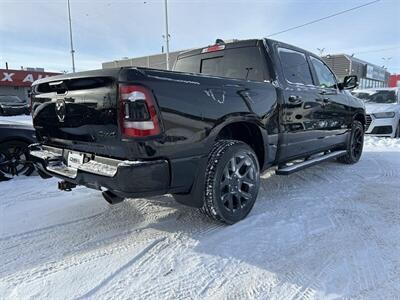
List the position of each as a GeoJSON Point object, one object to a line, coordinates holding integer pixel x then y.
{"type": "Point", "coordinates": [375, 96]}
{"type": "Point", "coordinates": [10, 99]}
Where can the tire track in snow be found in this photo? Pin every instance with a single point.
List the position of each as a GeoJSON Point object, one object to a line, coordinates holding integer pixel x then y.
{"type": "Point", "coordinates": [73, 260]}
{"type": "Point", "coordinates": [126, 266]}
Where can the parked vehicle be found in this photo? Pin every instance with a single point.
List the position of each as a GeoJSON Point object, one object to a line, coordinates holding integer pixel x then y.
{"type": "Point", "coordinates": [14, 141]}
{"type": "Point", "coordinates": [383, 111]}
{"type": "Point", "coordinates": [203, 132]}
{"type": "Point", "coordinates": [12, 106]}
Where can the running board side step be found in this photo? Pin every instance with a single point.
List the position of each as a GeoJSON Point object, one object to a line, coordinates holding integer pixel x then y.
{"type": "Point", "coordinates": [287, 170]}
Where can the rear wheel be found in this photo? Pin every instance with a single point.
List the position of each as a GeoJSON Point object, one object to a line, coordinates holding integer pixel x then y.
{"type": "Point", "coordinates": [355, 144]}
{"type": "Point", "coordinates": [14, 160]}
{"type": "Point", "coordinates": [232, 181]}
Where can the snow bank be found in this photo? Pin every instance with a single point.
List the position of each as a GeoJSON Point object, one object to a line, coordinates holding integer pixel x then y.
{"type": "Point", "coordinates": [379, 144]}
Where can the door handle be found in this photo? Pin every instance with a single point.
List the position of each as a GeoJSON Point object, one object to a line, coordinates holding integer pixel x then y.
{"type": "Point", "coordinates": [295, 99]}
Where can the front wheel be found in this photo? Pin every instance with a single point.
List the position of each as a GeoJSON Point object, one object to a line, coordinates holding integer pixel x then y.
{"type": "Point", "coordinates": [355, 144]}
{"type": "Point", "coordinates": [397, 134]}
{"type": "Point", "coordinates": [232, 181]}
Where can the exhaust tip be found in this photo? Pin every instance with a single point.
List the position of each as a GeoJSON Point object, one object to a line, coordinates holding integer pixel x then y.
{"type": "Point", "coordinates": [111, 198]}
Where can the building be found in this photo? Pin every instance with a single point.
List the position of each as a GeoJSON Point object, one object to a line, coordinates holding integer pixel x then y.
{"type": "Point", "coordinates": [18, 82]}
{"type": "Point", "coordinates": [369, 75]}
{"type": "Point", "coordinates": [157, 61]}
{"type": "Point", "coordinates": [394, 80]}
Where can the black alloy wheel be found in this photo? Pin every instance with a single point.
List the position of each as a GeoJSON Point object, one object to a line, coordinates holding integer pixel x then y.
{"type": "Point", "coordinates": [14, 160]}
{"type": "Point", "coordinates": [397, 134]}
{"type": "Point", "coordinates": [238, 182]}
{"type": "Point", "coordinates": [232, 181]}
{"type": "Point", "coordinates": [355, 144]}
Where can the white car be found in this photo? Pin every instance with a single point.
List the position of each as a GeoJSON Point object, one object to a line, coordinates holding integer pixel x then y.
{"type": "Point", "coordinates": [383, 111]}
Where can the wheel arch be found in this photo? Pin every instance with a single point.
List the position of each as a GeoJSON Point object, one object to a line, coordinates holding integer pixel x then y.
{"type": "Point", "coordinates": [360, 117]}
{"type": "Point", "coordinates": [247, 132]}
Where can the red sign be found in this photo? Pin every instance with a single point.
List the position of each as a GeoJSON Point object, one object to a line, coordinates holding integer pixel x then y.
{"type": "Point", "coordinates": [394, 80]}
{"type": "Point", "coordinates": [21, 78]}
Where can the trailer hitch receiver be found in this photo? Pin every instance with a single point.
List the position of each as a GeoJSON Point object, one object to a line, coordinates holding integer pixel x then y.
{"type": "Point", "coordinates": [66, 186]}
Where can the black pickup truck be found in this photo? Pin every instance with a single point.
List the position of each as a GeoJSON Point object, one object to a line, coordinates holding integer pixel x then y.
{"type": "Point", "coordinates": [203, 132]}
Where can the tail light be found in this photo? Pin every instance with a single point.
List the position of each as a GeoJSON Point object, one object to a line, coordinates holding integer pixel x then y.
{"type": "Point", "coordinates": [213, 48]}
{"type": "Point", "coordinates": [138, 114]}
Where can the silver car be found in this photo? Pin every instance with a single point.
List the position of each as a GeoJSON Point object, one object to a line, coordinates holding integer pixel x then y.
{"type": "Point", "coordinates": [383, 111]}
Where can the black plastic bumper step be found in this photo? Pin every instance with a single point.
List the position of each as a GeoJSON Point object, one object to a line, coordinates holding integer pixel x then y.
{"type": "Point", "coordinates": [286, 170]}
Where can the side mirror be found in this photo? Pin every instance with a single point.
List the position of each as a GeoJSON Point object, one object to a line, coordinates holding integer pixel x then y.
{"type": "Point", "coordinates": [350, 82]}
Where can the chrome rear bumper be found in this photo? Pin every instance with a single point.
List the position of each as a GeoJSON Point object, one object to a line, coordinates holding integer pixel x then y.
{"type": "Point", "coordinates": [135, 178]}
{"type": "Point", "coordinates": [56, 158]}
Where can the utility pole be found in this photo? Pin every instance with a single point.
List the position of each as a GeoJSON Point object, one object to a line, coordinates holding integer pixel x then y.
{"type": "Point", "coordinates": [70, 38]}
{"type": "Point", "coordinates": [321, 51]}
{"type": "Point", "coordinates": [166, 34]}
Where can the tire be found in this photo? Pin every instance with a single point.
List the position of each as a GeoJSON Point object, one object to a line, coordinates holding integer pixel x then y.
{"type": "Point", "coordinates": [397, 134]}
{"type": "Point", "coordinates": [232, 181]}
{"type": "Point", "coordinates": [14, 159]}
{"type": "Point", "coordinates": [354, 145]}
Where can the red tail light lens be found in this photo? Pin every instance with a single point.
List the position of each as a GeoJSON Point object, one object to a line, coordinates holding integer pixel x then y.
{"type": "Point", "coordinates": [138, 114]}
{"type": "Point", "coordinates": [213, 48]}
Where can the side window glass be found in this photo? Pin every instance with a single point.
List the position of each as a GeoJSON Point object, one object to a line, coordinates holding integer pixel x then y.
{"type": "Point", "coordinates": [295, 66]}
{"type": "Point", "coordinates": [325, 77]}
{"type": "Point", "coordinates": [188, 64]}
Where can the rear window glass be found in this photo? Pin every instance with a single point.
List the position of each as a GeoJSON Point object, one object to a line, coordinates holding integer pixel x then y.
{"type": "Point", "coordinates": [376, 96]}
{"type": "Point", "coordinates": [11, 99]}
{"type": "Point", "coordinates": [295, 66]}
{"type": "Point", "coordinates": [74, 84]}
{"type": "Point", "coordinates": [238, 63]}
{"type": "Point", "coordinates": [212, 66]}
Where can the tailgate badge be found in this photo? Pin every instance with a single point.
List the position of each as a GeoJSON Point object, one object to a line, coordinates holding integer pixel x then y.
{"type": "Point", "coordinates": [60, 109]}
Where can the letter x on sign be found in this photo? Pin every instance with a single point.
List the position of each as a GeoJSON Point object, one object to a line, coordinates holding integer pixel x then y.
{"type": "Point", "coordinates": [7, 76]}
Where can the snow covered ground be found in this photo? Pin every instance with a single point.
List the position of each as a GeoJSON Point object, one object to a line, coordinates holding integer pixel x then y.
{"type": "Point", "coordinates": [331, 231]}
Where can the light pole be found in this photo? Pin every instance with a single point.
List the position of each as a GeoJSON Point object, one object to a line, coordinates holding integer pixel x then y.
{"type": "Point", "coordinates": [70, 38]}
{"type": "Point", "coordinates": [166, 34]}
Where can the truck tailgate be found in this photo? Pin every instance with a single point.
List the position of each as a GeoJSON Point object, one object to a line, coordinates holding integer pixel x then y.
{"type": "Point", "coordinates": [79, 111]}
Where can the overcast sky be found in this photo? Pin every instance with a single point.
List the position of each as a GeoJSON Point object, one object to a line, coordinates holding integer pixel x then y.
{"type": "Point", "coordinates": [35, 33]}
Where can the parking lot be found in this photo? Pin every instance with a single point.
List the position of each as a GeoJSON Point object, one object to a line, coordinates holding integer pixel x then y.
{"type": "Point", "coordinates": [326, 232]}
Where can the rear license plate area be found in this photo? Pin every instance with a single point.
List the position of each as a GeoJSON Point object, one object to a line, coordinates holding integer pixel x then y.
{"type": "Point", "coordinates": [75, 159]}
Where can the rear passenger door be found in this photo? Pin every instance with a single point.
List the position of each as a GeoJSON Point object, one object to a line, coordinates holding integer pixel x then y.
{"type": "Point", "coordinates": [333, 101]}
{"type": "Point", "coordinates": [303, 116]}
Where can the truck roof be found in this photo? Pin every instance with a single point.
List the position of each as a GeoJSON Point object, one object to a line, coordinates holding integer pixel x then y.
{"type": "Point", "coordinates": [244, 43]}
{"type": "Point", "coordinates": [229, 45]}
